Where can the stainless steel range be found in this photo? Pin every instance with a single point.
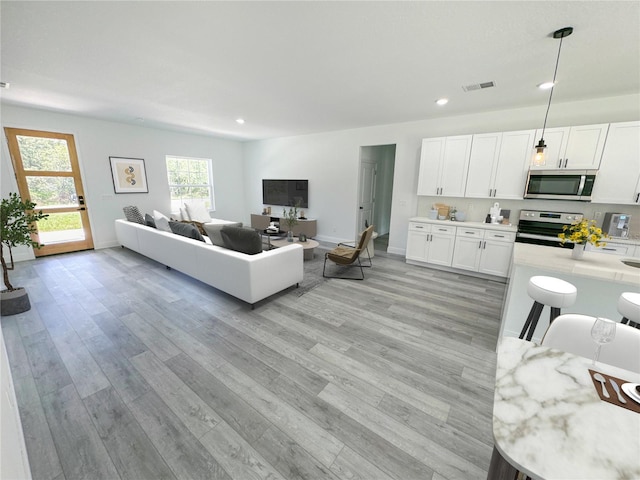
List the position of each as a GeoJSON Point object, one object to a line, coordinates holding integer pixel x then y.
{"type": "Point", "coordinates": [542, 228]}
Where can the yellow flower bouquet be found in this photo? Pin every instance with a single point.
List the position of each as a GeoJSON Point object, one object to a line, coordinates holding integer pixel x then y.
{"type": "Point", "coordinates": [582, 233]}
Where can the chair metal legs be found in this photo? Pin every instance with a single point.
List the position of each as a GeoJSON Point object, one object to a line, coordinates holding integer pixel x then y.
{"type": "Point", "coordinates": [359, 265]}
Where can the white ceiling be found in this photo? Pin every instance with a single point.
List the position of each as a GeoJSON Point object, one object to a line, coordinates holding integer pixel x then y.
{"type": "Point", "coordinates": [291, 68]}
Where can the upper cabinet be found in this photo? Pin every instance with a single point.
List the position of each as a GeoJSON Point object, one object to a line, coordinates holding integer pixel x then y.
{"type": "Point", "coordinates": [443, 165]}
{"type": "Point", "coordinates": [618, 180]}
{"type": "Point", "coordinates": [498, 164]}
{"type": "Point", "coordinates": [573, 147]}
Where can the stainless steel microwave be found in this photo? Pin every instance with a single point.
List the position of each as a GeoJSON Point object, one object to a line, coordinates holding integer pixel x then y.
{"type": "Point", "coordinates": [560, 184]}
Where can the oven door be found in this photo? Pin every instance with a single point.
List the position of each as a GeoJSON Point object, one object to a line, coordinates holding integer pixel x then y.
{"type": "Point", "coordinates": [540, 233]}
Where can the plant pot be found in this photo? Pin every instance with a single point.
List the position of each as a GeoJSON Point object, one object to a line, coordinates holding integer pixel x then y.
{"type": "Point", "coordinates": [14, 302]}
{"type": "Point", "coordinates": [578, 251]}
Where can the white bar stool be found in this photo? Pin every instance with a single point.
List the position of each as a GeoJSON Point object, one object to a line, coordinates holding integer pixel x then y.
{"type": "Point", "coordinates": [629, 308]}
{"type": "Point", "coordinates": [550, 291]}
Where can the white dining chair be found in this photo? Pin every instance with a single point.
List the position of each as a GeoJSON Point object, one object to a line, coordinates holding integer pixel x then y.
{"type": "Point", "coordinates": [572, 333]}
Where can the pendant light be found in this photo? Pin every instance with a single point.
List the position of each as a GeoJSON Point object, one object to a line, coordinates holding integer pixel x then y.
{"type": "Point", "coordinates": [539, 157]}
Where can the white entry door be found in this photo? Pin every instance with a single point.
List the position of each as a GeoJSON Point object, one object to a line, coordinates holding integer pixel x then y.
{"type": "Point", "coordinates": [367, 191]}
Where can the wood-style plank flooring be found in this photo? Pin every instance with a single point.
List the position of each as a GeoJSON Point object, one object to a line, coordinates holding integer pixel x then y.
{"type": "Point", "coordinates": [124, 369]}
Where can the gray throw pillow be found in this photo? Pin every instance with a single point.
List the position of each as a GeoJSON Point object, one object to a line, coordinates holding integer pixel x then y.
{"type": "Point", "coordinates": [186, 230]}
{"type": "Point", "coordinates": [213, 231]}
{"type": "Point", "coordinates": [132, 214]}
{"type": "Point", "coordinates": [245, 240]}
{"type": "Point", "coordinates": [149, 221]}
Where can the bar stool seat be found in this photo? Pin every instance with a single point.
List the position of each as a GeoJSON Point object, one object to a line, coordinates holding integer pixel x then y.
{"type": "Point", "coordinates": [629, 308]}
{"type": "Point", "coordinates": [551, 291]}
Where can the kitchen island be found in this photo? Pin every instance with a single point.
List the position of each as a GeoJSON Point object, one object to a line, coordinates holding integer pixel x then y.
{"type": "Point", "coordinates": [599, 278]}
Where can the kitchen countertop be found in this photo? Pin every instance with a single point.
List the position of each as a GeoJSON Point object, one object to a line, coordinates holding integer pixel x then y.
{"type": "Point", "coordinates": [593, 265]}
{"type": "Point", "coordinates": [487, 226]}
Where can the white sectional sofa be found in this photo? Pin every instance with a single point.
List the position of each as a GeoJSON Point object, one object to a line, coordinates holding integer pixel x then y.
{"type": "Point", "coordinates": [250, 278]}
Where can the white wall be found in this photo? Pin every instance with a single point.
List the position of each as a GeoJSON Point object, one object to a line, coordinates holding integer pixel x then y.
{"type": "Point", "coordinates": [96, 140]}
{"type": "Point", "coordinates": [330, 160]}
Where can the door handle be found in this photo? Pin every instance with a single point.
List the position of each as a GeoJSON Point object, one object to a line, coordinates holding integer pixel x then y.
{"type": "Point", "coordinates": [637, 197]}
{"type": "Point", "coordinates": [566, 160]}
{"type": "Point", "coordinates": [560, 163]}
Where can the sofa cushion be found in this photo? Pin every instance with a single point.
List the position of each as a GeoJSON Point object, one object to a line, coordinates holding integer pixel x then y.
{"type": "Point", "coordinates": [162, 221]}
{"type": "Point", "coordinates": [197, 211]}
{"type": "Point", "coordinates": [213, 231]}
{"type": "Point", "coordinates": [149, 221]}
{"type": "Point", "coordinates": [186, 230]}
{"type": "Point", "coordinates": [198, 225]}
{"type": "Point", "coordinates": [132, 213]}
{"type": "Point", "coordinates": [245, 240]}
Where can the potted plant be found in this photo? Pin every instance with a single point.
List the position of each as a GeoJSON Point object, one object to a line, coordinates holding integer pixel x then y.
{"type": "Point", "coordinates": [581, 233]}
{"type": "Point", "coordinates": [291, 219]}
{"type": "Point", "coordinates": [18, 223]}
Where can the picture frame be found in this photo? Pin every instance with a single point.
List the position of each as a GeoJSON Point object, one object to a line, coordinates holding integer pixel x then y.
{"type": "Point", "coordinates": [129, 175]}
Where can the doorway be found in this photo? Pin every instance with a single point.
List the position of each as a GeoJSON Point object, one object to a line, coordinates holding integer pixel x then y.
{"type": "Point", "coordinates": [48, 173]}
{"type": "Point", "coordinates": [377, 164]}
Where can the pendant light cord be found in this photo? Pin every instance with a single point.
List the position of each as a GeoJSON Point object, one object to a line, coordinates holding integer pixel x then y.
{"type": "Point", "coordinates": [555, 72]}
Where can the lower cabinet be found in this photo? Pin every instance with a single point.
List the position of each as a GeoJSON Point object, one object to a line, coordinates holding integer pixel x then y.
{"type": "Point", "coordinates": [472, 249]}
{"type": "Point", "coordinates": [614, 248]}
{"type": "Point", "coordinates": [431, 243]}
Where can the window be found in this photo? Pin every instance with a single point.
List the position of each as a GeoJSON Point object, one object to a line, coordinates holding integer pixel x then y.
{"type": "Point", "coordinates": [190, 180]}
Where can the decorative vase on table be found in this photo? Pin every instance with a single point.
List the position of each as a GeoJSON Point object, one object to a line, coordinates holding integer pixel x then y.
{"type": "Point", "coordinates": [290, 236]}
{"type": "Point", "coordinates": [580, 233]}
{"type": "Point", "coordinates": [578, 251]}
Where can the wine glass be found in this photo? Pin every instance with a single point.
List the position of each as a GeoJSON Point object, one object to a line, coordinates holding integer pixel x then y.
{"type": "Point", "coordinates": [602, 332]}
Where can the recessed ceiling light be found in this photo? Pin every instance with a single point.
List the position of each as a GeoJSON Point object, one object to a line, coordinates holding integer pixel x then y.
{"type": "Point", "coordinates": [240, 120]}
{"type": "Point", "coordinates": [442, 101]}
{"type": "Point", "coordinates": [545, 85]}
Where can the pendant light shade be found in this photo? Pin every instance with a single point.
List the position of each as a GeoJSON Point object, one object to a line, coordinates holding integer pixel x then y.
{"type": "Point", "coordinates": [539, 157]}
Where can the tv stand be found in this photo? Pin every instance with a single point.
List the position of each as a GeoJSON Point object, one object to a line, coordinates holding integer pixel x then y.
{"type": "Point", "coordinates": [308, 226]}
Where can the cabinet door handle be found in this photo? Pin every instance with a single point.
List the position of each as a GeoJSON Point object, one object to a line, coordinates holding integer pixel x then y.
{"type": "Point", "coordinates": [495, 192]}
{"type": "Point", "coordinates": [566, 160]}
{"type": "Point", "coordinates": [637, 197]}
{"type": "Point", "coordinates": [609, 249]}
{"type": "Point", "coordinates": [499, 236]}
{"type": "Point", "coordinates": [484, 245]}
{"type": "Point", "coordinates": [560, 163]}
{"type": "Point", "coordinates": [479, 244]}
{"type": "Point", "coordinates": [442, 229]}
{"type": "Point", "coordinates": [418, 226]}
{"type": "Point", "coordinates": [471, 233]}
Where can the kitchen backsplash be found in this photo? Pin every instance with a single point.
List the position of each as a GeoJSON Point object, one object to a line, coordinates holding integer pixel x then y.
{"type": "Point", "coordinates": [476, 209]}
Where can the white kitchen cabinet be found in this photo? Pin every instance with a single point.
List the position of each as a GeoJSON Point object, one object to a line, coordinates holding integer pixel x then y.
{"type": "Point", "coordinates": [498, 164]}
{"type": "Point", "coordinates": [613, 248]}
{"type": "Point", "coordinates": [496, 253]}
{"type": "Point", "coordinates": [430, 243]}
{"type": "Point", "coordinates": [468, 248]}
{"type": "Point", "coordinates": [443, 165]}
{"type": "Point", "coordinates": [484, 251]}
{"type": "Point", "coordinates": [578, 147]}
{"type": "Point", "coordinates": [618, 180]}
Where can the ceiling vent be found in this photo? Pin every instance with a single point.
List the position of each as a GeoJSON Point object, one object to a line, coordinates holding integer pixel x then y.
{"type": "Point", "coordinates": [478, 86]}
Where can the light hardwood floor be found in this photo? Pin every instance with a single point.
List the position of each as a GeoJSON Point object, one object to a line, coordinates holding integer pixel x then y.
{"type": "Point", "coordinates": [124, 369]}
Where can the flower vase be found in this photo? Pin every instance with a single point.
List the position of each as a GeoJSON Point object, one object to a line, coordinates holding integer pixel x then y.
{"type": "Point", "coordinates": [289, 236]}
{"type": "Point", "coordinates": [578, 251]}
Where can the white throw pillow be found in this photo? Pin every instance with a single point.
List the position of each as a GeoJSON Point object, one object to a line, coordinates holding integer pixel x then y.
{"type": "Point", "coordinates": [162, 221]}
{"type": "Point", "coordinates": [198, 212]}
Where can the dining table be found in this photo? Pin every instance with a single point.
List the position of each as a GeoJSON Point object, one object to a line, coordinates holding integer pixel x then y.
{"type": "Point", "coordinates": [552, 421]}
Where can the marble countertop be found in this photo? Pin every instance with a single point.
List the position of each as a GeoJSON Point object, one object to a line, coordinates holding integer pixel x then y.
{"type": "Point", "coordinates": [487, 226]}
{"type": "Point", "coordinates": [549, 422]}
{"type": "Point", "coordinates": [597, 265]}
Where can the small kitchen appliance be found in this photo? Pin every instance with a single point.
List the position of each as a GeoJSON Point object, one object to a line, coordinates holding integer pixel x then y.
{"type": "Point", "coordinates": [616, 224]}
{"type": "Point", "coordinates": [542, 228]}
{"type": "Point", "coordinates": [560, 184]}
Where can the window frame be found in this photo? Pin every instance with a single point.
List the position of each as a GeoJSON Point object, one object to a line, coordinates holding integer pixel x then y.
{"type": "Point", "coordinates": [210, 186]}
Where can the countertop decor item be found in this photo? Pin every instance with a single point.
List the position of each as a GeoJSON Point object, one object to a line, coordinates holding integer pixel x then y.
{"type": "Point", "coordinates": [18, 223]}
{"type": "Point", "coordinates": [581, 233]}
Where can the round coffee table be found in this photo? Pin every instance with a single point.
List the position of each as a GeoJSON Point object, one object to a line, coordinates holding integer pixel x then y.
{"type": "Point", "coordinates": [309, 246]}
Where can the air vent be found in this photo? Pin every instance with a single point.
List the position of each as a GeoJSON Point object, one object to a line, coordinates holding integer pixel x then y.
{"type": "Point", "coordinates": [478, 86]}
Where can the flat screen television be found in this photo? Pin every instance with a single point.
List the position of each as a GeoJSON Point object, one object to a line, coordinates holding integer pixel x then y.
{"type": "Point", "coordinates": [286, 192]}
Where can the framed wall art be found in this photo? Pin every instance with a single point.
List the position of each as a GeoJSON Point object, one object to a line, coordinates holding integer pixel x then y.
{"type": "Point", "coordinates": [129, 175]}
